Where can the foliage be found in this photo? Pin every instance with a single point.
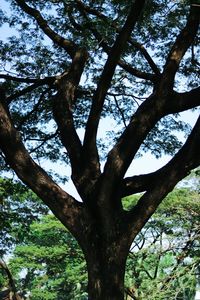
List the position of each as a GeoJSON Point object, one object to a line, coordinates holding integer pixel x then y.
{"type": "Point", "coordinates": [19, 207]}
{"type": "Point", "coordinates": [164, 258]}
{"type": "Point", "coordinates": [192, 181]}
{"type": "Point", "coordinates": [3, 281]}
{"type": "Point", "coordinates": [28, 52]}
{"type": "Point", "coordinates": [49, 264]}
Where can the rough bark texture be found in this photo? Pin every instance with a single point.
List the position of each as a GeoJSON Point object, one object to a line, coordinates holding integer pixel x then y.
{"type": "Point", "coordinates": [103, 229]}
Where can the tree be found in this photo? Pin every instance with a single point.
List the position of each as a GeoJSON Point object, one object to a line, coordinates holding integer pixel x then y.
{"type": "Point", "coordinates": [165, 254]}
{"type": "Point", "coordinates": [11, 293]}
{"type": "Point", "coordinates": [19, 207]}
{"type": "Point", "coordinates": [138, 64]}
{"type": "Point", "coordinates": [51, 261]}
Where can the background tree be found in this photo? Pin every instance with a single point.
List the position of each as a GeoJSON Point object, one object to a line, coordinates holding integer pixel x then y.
{"type": "Point", "coordinates": [162, 263]}
{"type": "Point", "coordinates": [137, 61]}
{"type": "Point", "coordinates": [19, 207]}
{"type": "Point", "coordinates": [52, 263]}
{"type": "Point", "coordinates": [7, 279]}
{"type": "Point", "coordinates": [164, 258]}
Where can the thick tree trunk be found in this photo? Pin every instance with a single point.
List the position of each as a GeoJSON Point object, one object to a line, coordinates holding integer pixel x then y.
{"type": "Point", "coordinates": [106, 263]}
{"type": "Point", "coordinates": [106, 279]}
{"type": "Point", "coordinates": [105, 240]}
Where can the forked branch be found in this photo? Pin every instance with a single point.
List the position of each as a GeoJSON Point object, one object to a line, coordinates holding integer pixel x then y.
{"type": "Point", "coordinates": [64, 206]}
{"type": "Point", "coordinates": [186, 159]}
{"type": "Point", "coordinates": [89, 10]}
{"type": "Point", "coordinates": [181, 44]}
{"type": "Point", "coordinates": [105, 81]}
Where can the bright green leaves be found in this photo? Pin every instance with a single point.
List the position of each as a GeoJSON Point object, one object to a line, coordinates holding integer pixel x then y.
{"type": "Point", "coordinates": [18, 208]}
{"type": "Point", "coordinates": [164, 258]}
{"type": "Point", "coordinates": [51, 263]}
{"type": "Point", "coordinates": [47, 262]}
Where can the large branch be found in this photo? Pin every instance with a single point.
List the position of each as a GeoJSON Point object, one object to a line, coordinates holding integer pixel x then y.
{"type": "Point", "coordinates": [87, 9]}
{"type": "Point", "coordinates": [184, 101]}
{"type": "Point", "coordinates": [63, 105]}
{"type": "Point", "coordinates": [181, 45]}
{"type": "Point", "coordinates": [105, 81]}
{"type": "Point", "coordinates": [141, 183]}
{"type": "Point", "coordinates": [66, 44]}
{"type": "Point", "coordinates": [145, 118]}
{"type": "Point", "coordinates": [45, 80]}
{"type": "Point", "coordinates": [127, 67]}
{"type": "Point", "coordinates": [64, 206]}
{"type": "Point", "coordinates": [164, 180]}
{"type": "Point", "coordinates": [138, 183]}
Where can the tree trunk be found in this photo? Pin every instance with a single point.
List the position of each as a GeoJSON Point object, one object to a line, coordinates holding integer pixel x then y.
{"type": "Point", "coordinates": [106, 280]}
{"type": "Point", "coordinates": [106, 269]}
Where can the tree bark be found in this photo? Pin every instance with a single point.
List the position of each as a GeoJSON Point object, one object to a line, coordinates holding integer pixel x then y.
{"type": "Point", "coordinates": [105, 243]}
{"type": "Point", "coordinates": [106, 269]}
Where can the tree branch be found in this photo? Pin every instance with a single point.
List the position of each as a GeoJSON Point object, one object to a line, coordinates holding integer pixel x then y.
{"type": "Point", "coordinates": [43, 141]}
{"type": "Point", "coordinates": [66, 44]}
{"type": "Point", "coordinates": [46, 80]}
{"type": "Point", "coordinates": [90, 147]}
{"type": "Point", "coordinates": [35, 108]}
{"type": "Point", "coordinates": [64, 206]}
{"type": "Point", "coordinates": [182, 43]}
{"type": "Point", "coordinates": [184, 101]}
{"type": "Point", "coordinates": [146, 182]}
{"type": "Point", "coordinates": [138, 46]}
{"type": "Point", "coordinates": [127, 67]}
{"type": "Point", "coordinates": [62, 108]}
{"type": "Point", "coordinates": [147, 56]}
{"type": "Point", "coordinates": [138, 183]}
{"type": "Point", "coordinates": [186, 159]}
{"type": "Point", "coordinates": [137, 73]}
{"type": "Point", "coordinates": [36, 82]}
{"type": "Point", "coordinates": [24, 91]}
{"type": "Point", "coordinates": [142, 122]}
{"type": "Point", "coordinates": [122, 154]}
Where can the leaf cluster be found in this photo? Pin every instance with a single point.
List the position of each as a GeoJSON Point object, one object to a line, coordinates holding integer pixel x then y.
{"type": "Point", "coordinates": [19, 207]}
{"type": "Point", "coordinates": [50, 262]}
{"type": "Point", "coordinates": [165, 253]}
